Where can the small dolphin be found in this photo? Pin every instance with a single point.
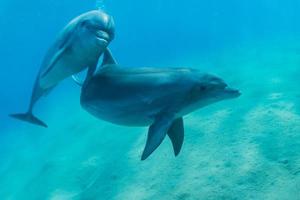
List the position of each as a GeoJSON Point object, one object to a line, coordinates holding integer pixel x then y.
{"type": "Point", "coordinates": [153, 97]}
{"type": "Point", "coordinates": [79, 46]}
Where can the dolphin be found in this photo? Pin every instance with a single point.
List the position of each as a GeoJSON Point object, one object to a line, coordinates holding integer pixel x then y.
{"type": "Point", "coordinates": [154, 97]}
{"type": "Point", "coordinates": [78, 46]}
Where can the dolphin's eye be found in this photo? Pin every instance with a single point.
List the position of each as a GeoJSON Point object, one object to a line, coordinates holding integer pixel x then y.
{"type": "Point", "coordinates": [92, 26]}
{"type": "Point", "coordinates": [87, 24]}
{"type": "Point", "coordinates": [203, 88]}
{"type": "Point", "coordinates": [84, 23]}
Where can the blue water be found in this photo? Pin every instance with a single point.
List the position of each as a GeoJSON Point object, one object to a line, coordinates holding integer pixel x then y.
{"type": "Point", "coordinates": [246, 148]}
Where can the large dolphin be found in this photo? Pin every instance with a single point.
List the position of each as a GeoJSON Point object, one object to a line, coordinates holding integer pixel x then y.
{"type": "Point", "coordinates": [153, 97]}
{"type": "Point", "coordinates": [79, 46]}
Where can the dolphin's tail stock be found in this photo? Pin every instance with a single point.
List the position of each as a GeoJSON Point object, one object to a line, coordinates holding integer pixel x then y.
{"type": "Point", "coordinates": [29, 117]}
{"type": "Point", "coordinates": [37, 93]}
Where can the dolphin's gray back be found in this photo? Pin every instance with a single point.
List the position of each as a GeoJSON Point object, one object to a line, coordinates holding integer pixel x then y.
{"type": "Point", "coordinates": [145, 76]}
{"type": "Point", "coordinates": [120, 70]}
{"type": "Point", "coordinates": [141, 80]}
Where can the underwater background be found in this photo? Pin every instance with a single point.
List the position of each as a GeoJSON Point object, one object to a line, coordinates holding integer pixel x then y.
{"type": "Point", "coordinates": [246, 148]}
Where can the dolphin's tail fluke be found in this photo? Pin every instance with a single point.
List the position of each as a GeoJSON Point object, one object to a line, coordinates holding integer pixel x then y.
{"type": "Point", "coordinates": [29, 117]}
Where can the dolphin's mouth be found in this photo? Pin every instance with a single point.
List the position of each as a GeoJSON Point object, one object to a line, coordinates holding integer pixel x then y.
{"type": "Point", "coordinates": [232, 93]}
{"type": "Point", "coordinates": [102, 36]}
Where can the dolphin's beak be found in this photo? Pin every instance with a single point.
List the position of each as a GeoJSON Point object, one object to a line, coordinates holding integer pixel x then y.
{"type": "Point", "coordinates": [232, 93]}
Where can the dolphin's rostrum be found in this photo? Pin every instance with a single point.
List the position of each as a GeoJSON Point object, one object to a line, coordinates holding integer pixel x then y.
{"type": "Point", "coordinates": [79, 46]}
{"type": "Point", "coordinates": [153, 97]}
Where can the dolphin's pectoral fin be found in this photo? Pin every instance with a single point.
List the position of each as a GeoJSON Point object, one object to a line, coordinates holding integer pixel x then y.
{"type": "Point", "coordinates": [53, 61]}
{"type": "Point", "coordinates": [66, 40]}
{"type": "Point", "coordinates": [76, 80]}
{"type": "Point", "coordinates": [156, 133]}
{"type": "Point", "coordinates": [108, 59]}
{"type": "Point", "coordinates": [59, 49]}
{"type": "Point", "coordinates": [89, 75]}
{"type": "Point", "coordinates": [90, 72]}
{"type": "Point", "coordinates": [176, 134]}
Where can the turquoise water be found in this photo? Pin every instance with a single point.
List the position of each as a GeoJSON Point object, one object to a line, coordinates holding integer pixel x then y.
{"type": "Point", "coordinates": [246, 148]}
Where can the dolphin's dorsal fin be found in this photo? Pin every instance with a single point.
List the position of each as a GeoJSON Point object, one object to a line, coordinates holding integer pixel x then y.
{"type": "Point", "coordinates": [108, 59]}
{"type": "Point", "coordinates": [176, 134]}
{"type": "Point", "coordinates": [156, 133]}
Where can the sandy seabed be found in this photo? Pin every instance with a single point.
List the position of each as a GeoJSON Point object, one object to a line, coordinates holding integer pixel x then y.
{"type": "Point", "coordinates": [247, 148]}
